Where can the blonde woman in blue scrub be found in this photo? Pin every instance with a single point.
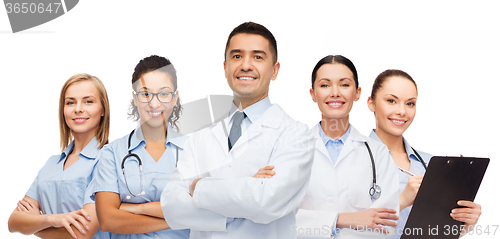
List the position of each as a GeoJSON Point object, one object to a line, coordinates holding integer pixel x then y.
{"type": "Point", "coordinates": [127, 195]}
{"type": "Point", "coordinates": [394, 102]}
{"type": "Point", "coordinates": [58, 203]}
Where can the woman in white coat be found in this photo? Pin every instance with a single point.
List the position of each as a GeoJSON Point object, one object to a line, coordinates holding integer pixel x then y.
{"type": "Point", "coordinates": [393, 101]}
{"type": "Point", "coordinates": [340, 200]}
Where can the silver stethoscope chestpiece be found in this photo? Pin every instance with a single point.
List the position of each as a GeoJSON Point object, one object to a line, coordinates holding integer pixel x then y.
{"type": "Point", "coordinates": [375, 191]}
{"type": "Point", "coordinates": [140, 194]}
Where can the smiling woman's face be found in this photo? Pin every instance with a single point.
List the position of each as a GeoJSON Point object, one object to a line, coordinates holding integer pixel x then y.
{"type": "Point", "coordinates": [394, 105]}
{"type": "Point", "coordinates": [155, 113]}
{"type": "Point", "coordinates": [335, 91]}
{"type": "Point", "coordinates": [82, 108]}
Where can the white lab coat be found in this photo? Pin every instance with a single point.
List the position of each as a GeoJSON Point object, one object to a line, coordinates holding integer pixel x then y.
{"type": "Point", "coordinates": [344, 187]}
{"type": "Point", "coordinates": [261, 208]}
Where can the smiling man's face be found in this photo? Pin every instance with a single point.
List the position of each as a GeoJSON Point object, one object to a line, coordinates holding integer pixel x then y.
{"type": "Point", "coordinates": [249, 67]}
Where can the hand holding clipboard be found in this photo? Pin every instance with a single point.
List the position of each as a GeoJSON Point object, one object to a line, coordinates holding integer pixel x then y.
{"type": "Point", "coordinates": [447, 181]}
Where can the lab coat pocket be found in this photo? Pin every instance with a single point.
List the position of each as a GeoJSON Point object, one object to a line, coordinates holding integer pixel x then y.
{"type": "Point", "coordinates": [358, 192]}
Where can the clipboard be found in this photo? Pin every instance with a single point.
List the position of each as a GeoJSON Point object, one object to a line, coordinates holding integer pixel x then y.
{"type": "Point", "coordinates": [446, 181]}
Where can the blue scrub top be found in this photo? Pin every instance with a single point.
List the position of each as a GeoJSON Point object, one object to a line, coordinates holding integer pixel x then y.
{"type": "Point", "coordinates": [155, 175]}
{"type": "Point", "coordinates": [417, 168]}
{"type": "Point", "coordinates": [59, 191]}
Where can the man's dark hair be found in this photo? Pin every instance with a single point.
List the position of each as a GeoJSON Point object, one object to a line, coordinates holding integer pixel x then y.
{"type": "Point", "coordinates": [255, 28]}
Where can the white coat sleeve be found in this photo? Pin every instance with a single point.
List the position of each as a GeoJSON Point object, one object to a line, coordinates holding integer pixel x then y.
{"type": "Point", "coordinates": [320, 221]}
{"type": "Point", "coordinates": [177, 204]}
{"type": "Point", "coordinates": [264, 200]}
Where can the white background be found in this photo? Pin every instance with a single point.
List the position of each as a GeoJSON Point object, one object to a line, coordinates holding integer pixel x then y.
{"type": "Point", "coordinates": [450, 48]}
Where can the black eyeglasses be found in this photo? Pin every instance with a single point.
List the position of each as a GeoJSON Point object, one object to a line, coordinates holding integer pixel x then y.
{"type": "Point", "coordinates": [163, 97]}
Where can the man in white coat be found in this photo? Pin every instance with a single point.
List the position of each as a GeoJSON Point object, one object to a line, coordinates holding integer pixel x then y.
{"type": "Point", "coordinates": [213, 191]}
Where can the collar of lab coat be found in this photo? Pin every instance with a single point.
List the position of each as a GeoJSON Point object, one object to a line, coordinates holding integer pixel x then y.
{"type": "Point", "coordinates": [272, 118]}
{"type": "Point", "coordinates": [348, 147]}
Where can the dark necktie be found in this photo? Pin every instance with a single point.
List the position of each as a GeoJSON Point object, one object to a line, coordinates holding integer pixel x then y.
{"type": "Point", "coordinates": [235, 132]}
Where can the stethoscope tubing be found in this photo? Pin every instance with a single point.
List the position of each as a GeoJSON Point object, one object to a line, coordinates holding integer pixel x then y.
{"type": "Point", "coordinates": [375, 190]}
{"type": "Point", "coordinates": [130, 154]}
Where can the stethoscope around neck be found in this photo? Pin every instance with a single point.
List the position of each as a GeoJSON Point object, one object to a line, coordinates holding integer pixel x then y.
{"type": "Point", "coordinates": [375, 189]}
{"type": "Point", "coordinates": [130, 155]}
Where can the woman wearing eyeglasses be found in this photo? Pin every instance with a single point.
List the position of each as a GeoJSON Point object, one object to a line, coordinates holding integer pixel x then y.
{"type": "Point", "coordinates": [134, 169]}
{"type": "Point", "coordinates": [58, 203]}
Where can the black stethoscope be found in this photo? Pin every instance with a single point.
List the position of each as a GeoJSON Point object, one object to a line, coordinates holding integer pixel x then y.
{"type": "Point", "coordinates": [375, 189]}
{"type": "Point", "coordinates": [419, 158]}
{"type": "Point", "coordinates": [130, 154]}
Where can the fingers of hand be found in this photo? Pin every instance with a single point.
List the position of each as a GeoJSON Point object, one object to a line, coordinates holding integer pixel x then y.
{"type": "Point", "coordinates": [391, 216]}
{"type": "Point", "coordinates": [84, 214]}
{"type": "Point", "coordinates": [193, 186]}
{"type": "Point", "coordinates": [383, 214]}
{"type": "Point", "coordinates": [466, 215]}
{"type": "Point", "coordinates": [77, 221]}
{"type": "Point", "coordinates": [380, 228]}
{"type": "Point", "coordinates": [385, 231]}
{"type": "Point", "coordinates": [70, 230]}
{"type": "Point", "coordinates": [469, 204]}
{"type": "Point", "coordinates": [385, 222]}
{"type": "Point", "coordinates": [68, 219]}
{"type": "Point", "coordinates": [475, 212]}
{"type": "Point", "coordinates": [415, 181]}
{"type": "Point", "coordinates": [24, 206]}
{"type": "Point", "coordinates": [415, 184]}
{"type": "Point", "coordinates": [84, 221]}
{"type": "Point", "coordinates": [385, 210]}
{"type": "Point", "coordinates": [265, 172]}
{"type": "Point", "coordinates": [29, 200]}
{"type": "Point", "coordinates": [466, 220]}
{"type": "Point", "coordinates": [268, 173]}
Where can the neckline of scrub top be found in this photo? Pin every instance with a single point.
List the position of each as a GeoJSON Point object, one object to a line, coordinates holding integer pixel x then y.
{"type": "Point", "coordinates": [173, 137]}
{"type": "Point", "coordinates": [409, 151]}
{"type": "Point", "coordinates": [90, 151]}
{"type": "Point", "coordinates": [253, 112]}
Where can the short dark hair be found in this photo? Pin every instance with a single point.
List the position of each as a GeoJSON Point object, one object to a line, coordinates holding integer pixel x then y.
{"type": "Point", "coordinates": [382, 77]}
{"type": "Point", "coordinates": [330, 59]}
{"type": "Point", "coordinates": [257, 29]}
{"type": "Point", "coordinates": [156, 63]}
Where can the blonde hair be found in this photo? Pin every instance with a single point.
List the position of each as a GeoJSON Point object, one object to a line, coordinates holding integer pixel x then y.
{"type": "Point", "coordinates": [102, 133]}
